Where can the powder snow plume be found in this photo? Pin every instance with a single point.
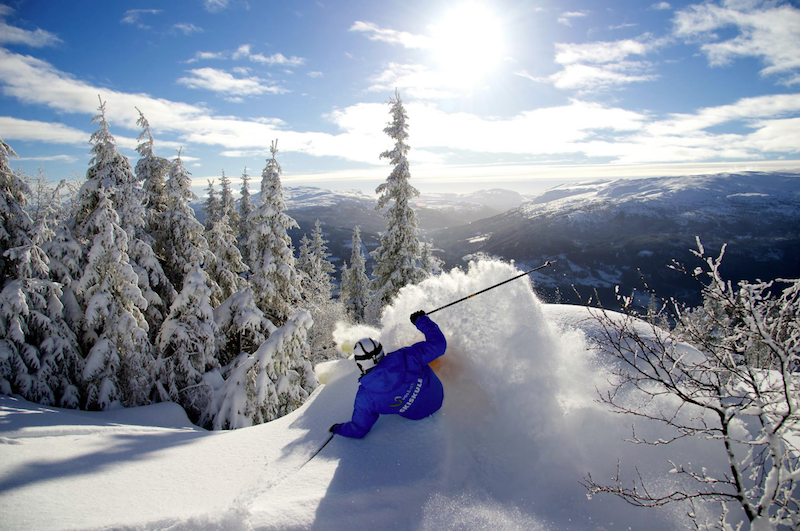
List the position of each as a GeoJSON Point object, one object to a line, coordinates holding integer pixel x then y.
{"type": "Point", "coordinates": [520, 425]}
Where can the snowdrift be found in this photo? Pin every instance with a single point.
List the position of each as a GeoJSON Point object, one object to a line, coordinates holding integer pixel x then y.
{"type": "Point", "coordinates": [518, 431]}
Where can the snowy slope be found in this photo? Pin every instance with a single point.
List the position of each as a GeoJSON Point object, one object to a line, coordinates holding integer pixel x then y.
{"type": "Point", "coordinates": [517, 432]}
{"type": "Point", "coordinates": [723, 198]}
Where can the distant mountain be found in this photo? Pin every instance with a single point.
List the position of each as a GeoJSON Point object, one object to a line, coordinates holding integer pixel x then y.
{"type": "Point", "coordinates": [339, 211]}
{"type": "Point", "coordinates": [602, 232]}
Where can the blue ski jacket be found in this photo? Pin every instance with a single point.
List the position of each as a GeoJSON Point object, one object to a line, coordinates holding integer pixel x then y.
{"type": "Point", "coordinates": [401, 384]}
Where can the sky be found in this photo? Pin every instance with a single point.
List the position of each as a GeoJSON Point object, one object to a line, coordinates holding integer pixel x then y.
{"type": "Point", "coordinates": [517, 94]}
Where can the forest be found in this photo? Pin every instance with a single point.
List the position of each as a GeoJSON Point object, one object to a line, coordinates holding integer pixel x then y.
{"type": "Point", "coordinates": [114, 294]}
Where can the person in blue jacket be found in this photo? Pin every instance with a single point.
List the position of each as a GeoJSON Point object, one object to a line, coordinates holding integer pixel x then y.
{"type": "Point", "coordinates": [399, 383]}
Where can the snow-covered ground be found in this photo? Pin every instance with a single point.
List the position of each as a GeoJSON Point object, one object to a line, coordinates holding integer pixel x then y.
{"type": "Point", "coordinates": [518, 431]}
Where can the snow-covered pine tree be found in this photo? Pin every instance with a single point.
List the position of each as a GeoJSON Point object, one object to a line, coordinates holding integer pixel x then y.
{"type": "Point", "coordinates": [275, 280]}
{"type": "Point", "coordinates": [39, 356]}
{"type": "Point", "coordinates": [225, 270]}
{"type": "Point", "coordinates": [119, 361]}
{"type": "Point", "coordinates": [397, 258]}
{"type": "Point", "coordinates": [242, 326]}
{"type": "Point", "coordinates": [66, 259]}
{"type": "Point", "coordinates": [245, 208]}
{"type": "Point", "coordinates": [187, 345]}
{"type": "Point", "coordinates": [152, 172]}
{"type": "Point", "coordinates": [114, 172]}
{"type": "Point", "coordinates": [355, 283]}
{"type": "Point", "coordinates": [227, 203]}
{"type": "Point", "coordinates": [186, 243]}
{"type": "Point", "coordinates": [211, 205]}
{"type": "Point", "coordinates": [316, 272]}
{"type": "Point", "coordinates": [14, 221]}
{"type": "Point", "coordinates": [429, 263]}
{"type": "Point", "coordinates": [268, 384]}
{"type": "Point", "coordinates": [322, 268]}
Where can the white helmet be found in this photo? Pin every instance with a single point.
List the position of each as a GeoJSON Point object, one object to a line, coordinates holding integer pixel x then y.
{"type": "Point", "coordinates": [368, 353]}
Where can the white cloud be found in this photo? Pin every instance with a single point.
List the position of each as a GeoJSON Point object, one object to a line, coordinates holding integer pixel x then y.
{"type": "Point", "coordinates": [187, 29]}
{"type": "Point", "coordinates": [661, 6]}
{"type": "Point", "coordinates": [577, 130]}
{"type": "Point", "coordinates": [34, 130]}
{"type": "Point", "coordinates": [216, 5]}
{"type": "Point", "coordinates": [766, 30]}
{"type": "Point", "coordinates": [37, 38]}
{"type": "Point", "coordinates": [376, 33]}
{"type": "Point", "coordinates": [416, 81]}
{"type": "Point", "coordinates": [134, 17]}
{"type": "Point", "coordinates": [244, 51]}
{"type": "Point", "coordinates": [566, 18]}
{"type": "Point", "coordinates": [599, 65]}
{"type": "Point", "coordinates": [597, 77]}
{"type": "Point", "coordinates": [205, 56]}
{"type": "Point", "coordinates": [315, 74]}
{"type": "Point", "coordinates": [221, 81]}
{"type": "Point", "coordinates": [623, 26]}
{"type": "Point", "coordinates": [69, 159]}
{"type": "Point", "coordinates": [277, 59]}
{"type": "Point", "coordinates": [599, 52]}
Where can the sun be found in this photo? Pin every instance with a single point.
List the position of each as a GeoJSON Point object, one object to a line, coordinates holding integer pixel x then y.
{"type": "Point", "coordinates": [468, 43]}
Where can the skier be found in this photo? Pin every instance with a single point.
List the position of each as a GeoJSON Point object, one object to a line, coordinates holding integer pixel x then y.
{"type": "Point", "coordinates": [399, 383]}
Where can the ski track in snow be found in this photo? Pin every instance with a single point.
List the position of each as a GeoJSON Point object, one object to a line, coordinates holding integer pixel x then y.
{"type": "Point", "coordinates": [518, 431]}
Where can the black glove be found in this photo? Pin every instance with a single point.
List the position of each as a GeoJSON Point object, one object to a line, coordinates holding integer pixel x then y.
{"type": "Point", "coordinates": [332, 428]}
{"type": "Point", "coordinates": [416, 315]}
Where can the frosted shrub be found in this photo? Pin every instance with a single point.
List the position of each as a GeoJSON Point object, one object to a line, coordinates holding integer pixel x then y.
{"type": "Point", "coordinates": [716, 393]}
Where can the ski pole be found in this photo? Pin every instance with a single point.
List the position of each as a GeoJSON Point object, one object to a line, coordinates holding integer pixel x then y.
{"type": "Point", "coordinates": [546, 264]}
{"type": "Point", "coordinates": [320, 449]}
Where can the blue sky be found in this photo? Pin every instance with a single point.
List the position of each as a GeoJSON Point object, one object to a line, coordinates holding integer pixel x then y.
{"type": "Point", "coordinates": [517, 94]}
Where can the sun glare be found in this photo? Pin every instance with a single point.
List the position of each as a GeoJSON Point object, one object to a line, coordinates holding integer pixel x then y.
{"type": "Point", "coordinates": [468, 43]}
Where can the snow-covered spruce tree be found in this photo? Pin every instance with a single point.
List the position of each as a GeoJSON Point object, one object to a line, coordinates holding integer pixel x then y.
{"type": "Point", "coordinates": [187, 345]}
{"type": "Point", "coordinates": [39, 356]}
{"type": "Point", "coordinates": [227, 203]}
{"type": "Point", "coordinates": [211, 205]}
{"type": "Point", "coordinates": [242, 326]}
{"type": "Point", "coordinates": [431, 264]}
{"type": "Point", "coordinates": [397, 258]}
{"type": "Point", "coordinates": [185, 243]}
{"type": "Point", "coordinates": [245, 208]}
{"type": "Point", "coordinates": [14, 221]}
{"type": "Point", "coordinates": [316, 268]}
{"type": "Point", "coordinates": [268, 384]}
{"type": "Point", "coordinates": [274, 279]}
{"type": "Point", "coordinates": [66, 259]}
{"type": "Point", "coordinates": [751, 414]}
{"type": "Point", "coordinates": [110, 168]}
{"type": "Point", "coordinates": [316, 271]}
{"type": "Point", "coordinates": [119, 362]}
{"type": "Point", "coordinates": [355, 292]}
{"type": "Point", "coordinates": [152, 172]}
{"type": "Point", "coordinates": [228, 265]}
{"type": "Point", "coordinates": [39, 353]}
